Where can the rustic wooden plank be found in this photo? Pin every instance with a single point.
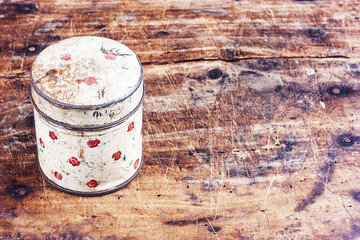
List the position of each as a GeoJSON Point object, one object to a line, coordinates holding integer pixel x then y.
{"type": "Point", "coordinates": [175, 31]}
{"type": "Point", "coordinates": [248, 149]}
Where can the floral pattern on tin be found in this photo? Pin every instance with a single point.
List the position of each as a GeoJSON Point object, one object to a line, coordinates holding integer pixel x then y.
{"type": "Point", "coordinates": [131, 126]}
{"type": "Point", "coordinates": [110, 56]}
{"type": "Point", "coordinates": [92, 184]}
{"type": "Point", "coordinates": [116, 156]}
{"type": "Point", "coordinates": [58, 175]}
{"type": "Point", "coordinates": [73, 161]}
{"type": "Point", "coordinates": [89, 80]}
{"type": "Point", "coordinates": [66, 57]}
{"type": "Point", "coordinates": [42, 143]}
{"type": "Point", "coordinates": [52, 135]}
{"type": "Point", "coordinates": [136, 163]}
{"type": "Point", "coordinates": [93, 143]}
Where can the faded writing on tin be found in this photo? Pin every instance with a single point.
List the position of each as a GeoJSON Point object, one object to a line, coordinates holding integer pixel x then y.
{"type": "Point", "coordinates": [114, 51]}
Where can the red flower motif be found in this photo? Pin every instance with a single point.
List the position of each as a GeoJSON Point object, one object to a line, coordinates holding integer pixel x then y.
{"type": "Point", "coordinates": [90, 80]}
{"type": "Point", "coordinates": [92, 184]}
{"type": "Point", "coordinates": [66, 56]}
{"type": "Point", "coordinates": [53, 135]}
{"type": "Point", "coordinates": [117, 155]}
{"type": "Point", "coordinates": [131, 126]}
{"type": "Point", "coordinates": [93, 143]}
{"type": "Point", "coordinates": [74, 161]}
{"type": "Point", "coordinates": [42, 143]}
{"type": "Point", "coordinates": [110, 56]}
{"type": "Point", "coordinates": [58, 175]}
{"type": "Point", "coordinates": [136, 163]}
{"type": "Point", "coordinates": [141, 131]}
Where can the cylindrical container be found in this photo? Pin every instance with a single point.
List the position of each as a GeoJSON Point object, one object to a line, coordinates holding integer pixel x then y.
{"type": "Point", "coordinates": [87, 94]}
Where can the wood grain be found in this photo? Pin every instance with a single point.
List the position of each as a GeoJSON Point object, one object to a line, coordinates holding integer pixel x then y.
{"type": "Point", "coordinates": [251, 121]}
{"type": "Point", "coordinates": [174, 31]}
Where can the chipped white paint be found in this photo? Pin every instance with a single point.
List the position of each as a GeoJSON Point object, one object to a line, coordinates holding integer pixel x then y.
{"type": "Point", "coordinates": [87, 94]}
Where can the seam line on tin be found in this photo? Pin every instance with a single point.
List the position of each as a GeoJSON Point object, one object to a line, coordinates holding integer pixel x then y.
{"type": "Point", "coordinates": [89, 128]}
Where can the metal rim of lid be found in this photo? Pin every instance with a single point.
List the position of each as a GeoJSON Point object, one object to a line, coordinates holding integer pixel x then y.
{"type": "Point", "coordinates": [89, 128]}
{"type": "Point", "coordinates": [92, 194]}
{"type": "Point", "coordinates": [87, 107]}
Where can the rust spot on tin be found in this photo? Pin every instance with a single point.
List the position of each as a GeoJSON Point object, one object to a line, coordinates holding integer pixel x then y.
{"type": "Point", "coordinates": [79, 81]}
{"type": "Point", "coordinates": [81, 154]}
{"type": "Point", "coordinates": [51, 73]}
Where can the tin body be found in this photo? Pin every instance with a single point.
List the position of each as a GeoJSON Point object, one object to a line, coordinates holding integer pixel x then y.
{"type": "Point", "coordinates": [87, 94]}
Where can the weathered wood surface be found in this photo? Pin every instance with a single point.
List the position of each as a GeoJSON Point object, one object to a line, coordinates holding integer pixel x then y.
{"type": "Point", "coordinates": [251, 121]}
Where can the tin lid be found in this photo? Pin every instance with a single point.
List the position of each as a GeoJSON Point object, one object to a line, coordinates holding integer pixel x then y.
{"type": "Point", "coordinates": [84, 77]}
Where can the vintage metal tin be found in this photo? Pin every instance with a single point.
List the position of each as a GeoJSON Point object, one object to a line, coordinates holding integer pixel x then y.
{"type": "Point", "coordinates": [87, 94]}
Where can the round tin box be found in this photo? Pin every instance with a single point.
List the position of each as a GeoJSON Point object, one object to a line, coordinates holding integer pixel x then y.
{"type": "Point", "coordinates": [87, 94]}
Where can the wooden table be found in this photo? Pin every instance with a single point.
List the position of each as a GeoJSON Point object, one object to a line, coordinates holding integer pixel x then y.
{"type": "Point", "coordinates": [251, 120]}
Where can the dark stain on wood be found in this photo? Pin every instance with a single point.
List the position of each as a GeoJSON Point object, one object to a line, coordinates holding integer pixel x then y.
{"type": "Point", "coordinates": [316, 192]}
{"type": "Point", "coordinates": [8, 215]}
{"type": "Point", "coordinates": [31, 50]}
{"type": "Point", "coordinates": [214, 229]}
{"type": "Point", "coordinates": [315, 33]}
{"type": "Point", "coordinates": [332, 154]}
{"type": "Point", "coordinates": [162, 34]}
{"type": "Point", "coordinates": [238, 235]}
{"type": "Point", "coordinates": [355, 74]}
{"type": "Point", "coordinates": [289, 145]}
{"type": "Point", "coordinates": [26, 123]}
{"type": "Point", "coordinates": [278, 88]}
{"type": "Point", "coordinates": [193, 196]}
{"type": "Point", "coordinates": [204, 153]}
{"type": "Point", "coordinates": [229, 53]}
{"type": "Point", "coordinates": [293, 228]}
{"type": "Point", "coordinates": [327, 170]}
{"type": "Point", "coordinates": [19, 84]}
{"type": "Point", "coordinates": [100, 26]}
{"type": "Point", "coordinates": [26, 8]}
{"type": "Point", "coordinates": [189, 222]}
{"type": "Point", "coordinates": [214, 73]}
{"type": "Point", "coordinates": [246, 73]}
{"type": "Point", "coordinates": [354, 65]}
{"type": "Point", "coordinates": [355, 195]}
{"type": "Point", "coordinates": [318, 36]}
{"type": "Point", "coordinates": [353, 234]}
{"type": "Point", "coordinates": [265, 64]}
{"type": "Point", "coordinates": [70, 235]}
{"type": "Point", "coordinates": [340, 91]}
{"type": "Point", "coordinates": [355, 231]}
{"type": "Point", "coordinates": [19, 191]}
{"type": "Point", "coordinates": [52, 38]}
